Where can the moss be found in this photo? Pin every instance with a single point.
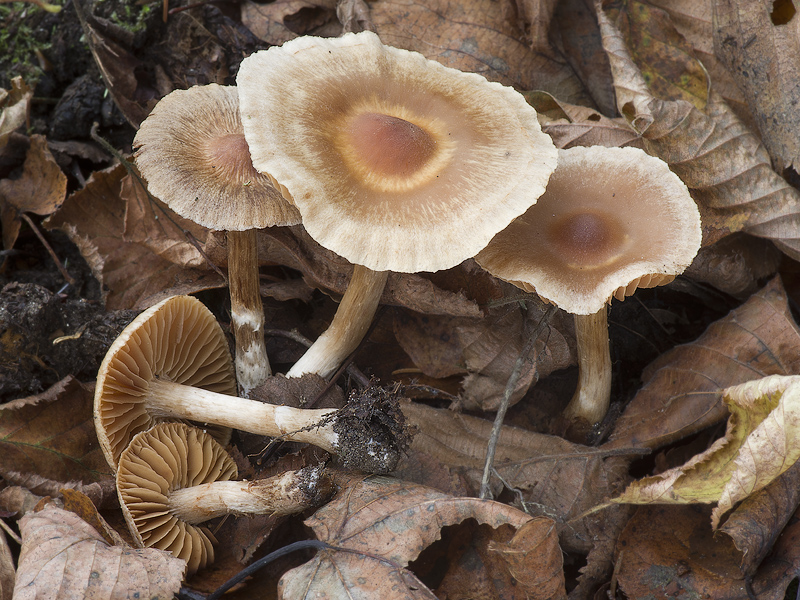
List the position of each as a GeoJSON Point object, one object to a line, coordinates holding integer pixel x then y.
{"type": "Point", "coordinates": [20, 40]}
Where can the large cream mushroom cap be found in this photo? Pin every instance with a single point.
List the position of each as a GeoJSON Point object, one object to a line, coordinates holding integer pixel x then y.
{"type": "Point", "coordinates": [169, 457]}
{"type": "Point", "coordinates": [611, 220]}
{"type": "Point", "coordinates": [395, 162]}
{"type": "Point", "coordinates": [177, 340]}
{"type": "Point", "coordinates": [192, 152]}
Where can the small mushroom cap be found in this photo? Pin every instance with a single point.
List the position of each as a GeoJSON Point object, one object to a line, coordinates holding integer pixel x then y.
{"type": "Point", "coordinates": [611, 220]}
{"type": "Point", "coordinates": [168, 457]}
{"type": "Point", "coordinates": [192, 152]}
{"type": "Point", "coordinates": [395, 162]}
{"type": "Point", "coordinates": [176, 340]}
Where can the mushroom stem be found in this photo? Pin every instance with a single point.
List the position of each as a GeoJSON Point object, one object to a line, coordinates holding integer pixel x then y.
{"type": "Point", "coordinates": [174, 400]}
{"type": "Point", "coordinates": [349, 325]}
{"type": "Point", "coordinates": [284, 494]}
{"type": "Point", "coordinates": [593, 394]}
{"type": "Point", "coordinates": [247, 310]}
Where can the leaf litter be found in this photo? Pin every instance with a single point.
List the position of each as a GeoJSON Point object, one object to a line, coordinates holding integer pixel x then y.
{"type": "Point", "coordinates": [649, 75]}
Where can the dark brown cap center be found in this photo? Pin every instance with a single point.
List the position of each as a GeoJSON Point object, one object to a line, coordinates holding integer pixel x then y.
{"type": "Point", "coordinates": [229, 157]}
{"type": "Point", "coordinates": [587, 240]}
{"type": "Point", "coordinates": [390, 146]}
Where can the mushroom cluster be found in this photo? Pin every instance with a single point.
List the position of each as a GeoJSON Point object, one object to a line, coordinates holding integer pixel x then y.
{"type": "Point", "coordinates": [611, 220]}
{"type": "Point", "coordinates": [394, 161]}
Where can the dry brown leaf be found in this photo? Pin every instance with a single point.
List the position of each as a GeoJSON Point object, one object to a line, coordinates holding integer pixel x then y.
{"type": "Point", "coordinates": [14, 108]}
{"type": "Point", "coordinates": [481, 36]}
{"type": "Point", "coordinates": [384, 524]}
{"type": "Point", "coordinates": [761, 48]}
{"type": "Point", "coordinates": [682, 390]}
{"type": "Point", "coordinates": [268, 21]}
{"type": "Point", "coordinates": [782, 565]}
{"type": "Point", "coordinates": [485, 350]}
{"type": "Point", "coordinates": [577, 35]}
{"type": "Point", "coordinates": [571, 125]}
{"type": "Point", "coordinates": [552, 477]}
{"type": "Point", "coordinates": [670, 551]}
{"type": "Point", "coordinates": [536, 16]}
{"type": "Point", "coordinates": [41, 189]}
{"type": "Point", "coordinates": [724, 164]}
{"type": "Point", "coordinates": [133, 276]}
{"type": "Point", "coordinates": [7, 570]}
{"type": "Point", "coordinates": [154, 226]}
{"type": "Point", "coordinates": [52, 435]}
{"type": "Point", "coordinates": [693, 20]}
{"type": "Point", "coordinates": [64, 557]}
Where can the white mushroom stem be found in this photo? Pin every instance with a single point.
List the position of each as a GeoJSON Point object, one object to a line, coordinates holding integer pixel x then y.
{"type": "Point", "coordinates": [174, 400]}
{"type": "Point", "coordinates": [349, 325]}
{"type": "Point", "coordinates": [247, 311]}
{"type": "Point", "coordinates": [593, 395]}
{"type": "Point", "coordinates": [280, 495]}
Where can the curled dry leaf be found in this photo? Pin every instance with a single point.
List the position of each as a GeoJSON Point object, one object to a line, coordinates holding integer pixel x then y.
{"type": "Point", "coordinates": [724, 164]}
{"type": "Point", "coordinates": [52, 435]}
{"type": "Point", "coordinates": [41, 189]}
{"type": "Point", "coordinates": [268, 21]}
{"type": "Point", "coordinates": [682, 390]}
{"type": "Point", "coordinates": [762, 52]}
{"type": "Point", "coordinates": [782, 565]}
{"type": "Point", "coordinates": [14, 108]}
{"type": "Point", "coordinates": [134, 276]}
{"type": "Point", "coordinates": [477, 36]}
{"type": "Point", "coordinates": [7, 570]}
{"type": "Point", "coordinates": [64, 557]}
{"type": "Point", "coordinates": [761, 442]}
{"type": "Point", "coordinates": [382, 524]}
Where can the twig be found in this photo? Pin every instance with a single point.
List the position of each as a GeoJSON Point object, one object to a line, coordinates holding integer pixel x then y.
{"type": "Point", "coordinates": [511, 385]}
{"type": "Point", "coordinates": [11, 533]}
{"type": "Point", "coordinates": [67, 277]}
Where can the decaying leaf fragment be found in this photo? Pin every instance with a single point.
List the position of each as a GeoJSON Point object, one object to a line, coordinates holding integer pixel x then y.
{"type": "Point", "coordinates": [64, 557]}
{"type": "Point", "coordinates": [723, 163]}
{"type": "Point", "coordinates": [41, 189]}
{"type": "Point", "coordinates": [761, 442]}
{"type": "Point", "coordinates": [14, 108]}
{"type": "Point", "coordinates": [384, 524]}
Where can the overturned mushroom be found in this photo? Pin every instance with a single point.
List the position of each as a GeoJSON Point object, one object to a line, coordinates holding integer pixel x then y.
{"type": "Point", "coordinates": [157, 368]}
{"type": "Point", "coordinates": [395, 162]}
{"type": "Point", "coordinates": [173, 477]}
{"type": "Point", "coordinates": [192, 151]}
{"type": "Point", "coordinates": [611, 220]}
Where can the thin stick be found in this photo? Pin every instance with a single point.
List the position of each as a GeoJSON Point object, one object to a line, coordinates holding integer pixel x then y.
{"type": "Point", "coordinates": [67, 277]}
{"type": "Point", "coordinates": [511, 385]}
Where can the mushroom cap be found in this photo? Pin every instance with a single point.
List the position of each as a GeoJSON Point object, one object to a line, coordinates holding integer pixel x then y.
{"type": "Point", "coordinates": [611, 220]}
{"type": "Point", "coordinates": [176, 340]}
{"type": "Point", "coordinates": [192, 152]}
{"type": "Point", "coordinates": [395, 162]}
{"type": "Point", "coordinates": [168, 457]}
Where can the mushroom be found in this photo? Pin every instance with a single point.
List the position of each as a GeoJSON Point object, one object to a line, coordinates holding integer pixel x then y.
{"type": "Point", "coordinates": [173, 477]}
{"type": "Point", "coordinates": [394, 161]}
{"type": "Point", "coordinates": [612, 220]}
{"type": "Point", "coordinates": [172, 362]}
{"type": "Point", "coordinates": [192, 152]}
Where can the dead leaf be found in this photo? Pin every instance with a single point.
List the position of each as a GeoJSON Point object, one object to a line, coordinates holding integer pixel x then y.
{"type": "Point", "coordinates": [670, 551]}
{"type": "Point", "coordinates": [573, 125]}
{"type": "Point", "coordinates": [725, 166]}
{"type": "Point", "coordinates": [762, 51]}
{"type": "Point", "coordinates": [384, 524]}
{"type": "Point", "coordinates": [268, 21]}
{"type": "Point", "coordinates": [758, 446]}
{"type": "Point", "coordinates": [7, 570]}
{"type": "Point", "coordinates": [14, 108]}
{"type": "Point", "coordinates": [52, 435]}
{"type": "Point", "coordinates": [682, 390]}
{"type": "Point", "coordinates": [41, 189]}
{"type": "Point", "coordinates": [64, 557]}
{"type": "Point", "coordinates": [135, 277]}
{"type": "Point", "coordinates": [782, 565]}
{"type": "Point", "coordinates": [482, 37]}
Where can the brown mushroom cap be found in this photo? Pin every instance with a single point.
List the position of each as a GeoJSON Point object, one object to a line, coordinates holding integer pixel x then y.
{"type": "Point", "coordinates": [396, 162]}
{"type": "Point", "coordinates": [192, 151]}
{"type": "Point", "coordinates": [157, 462]}
{"type": "Point", "coordinates": [611, 220]}
{"type": "Point", "coordinates": [176, 340]}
